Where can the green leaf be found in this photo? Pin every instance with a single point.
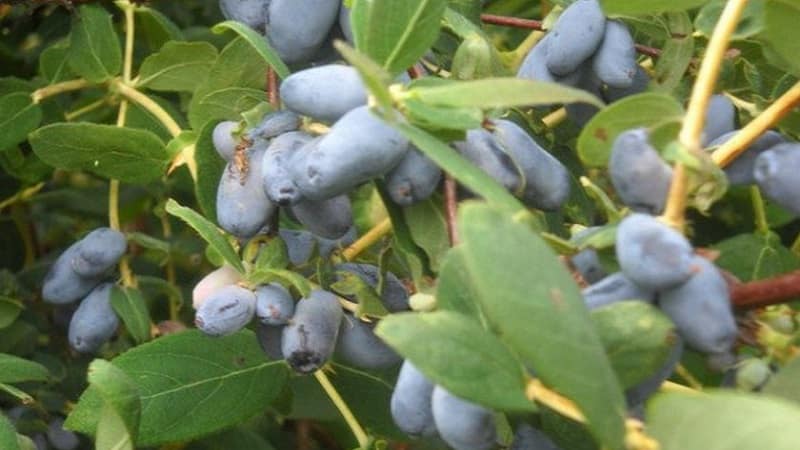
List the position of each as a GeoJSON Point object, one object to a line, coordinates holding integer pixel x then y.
{"type": "Point", "coordinates": [467, 360]}
{"type": "Point", "coordinates": [428, 228]}
{"type": "Point", "coordinates": [207, 231]}
{"type": "Point", "coordinates": [156, 28]}
{"type": "Point", "coordinates": [181, 142]}
{"type": "Point", "coordinates": [272, 255]}
{"type": "Point", "coordinates": [403, 245]}
{"type": "Point", "coordinates": [501, 93]}
{"type": "Point", "coordinates": [756, 256]}
{"type": "Point", "coordinates": [9, 310]}
{"type": "Point", "coordinates": [14, 369]}
{"type": "Point", "coordinates": [434, 117]}
{"type": "Point", "coordinates": [236, 438]}
{"type": "Point", "coordinates": [94, 49]}
{"type": "Point", "coordinates": [634, 7]}
{"type": "Point", "coordinates": [54, 62]}
{"type": "Point", "coordinates": [366, 394]}
{"type": "Point", "coordinates": [750, 24]}
{"type": "Point", "coordinates": [8, 435]}
{"type": "Point", "coordinates": [258, 42]}
{"type": "Point", "coordinates": [223, 104]}
{"type": "Point", "coordinates": [126, 154]}
{"type": "Point", "coordinates": [541, 317]}
{"type": "Point", "coordinates": [238, 65]}
{"type": "Point", "coordinates": [191, 385]}
{"type": "Point", "coordinates": [18, 117]}
{"type": "Point", "coordinates": [284, 277]}
{"type": "Point", "coordinates": [676, 53]}
{"type": "Point", "coordinates": [119, 421]}
{"type": "Point", "coordinates": [398, 43]}
{"type": "Point", "coordinates": [786, 383]}
{"type": "Point", "coordinates": [209, 171]}
{"type": "Point", "coordinates": [638, 339]}
{"type": "Point", "coordinates": [723, 421]}
{"type": "Point", "coordinates": [369, 302]}
{"type": "Point", "coordinates": [178, 66]}
{"type": "Point", "coordinates": [129, 305]}
{"type": "Point", "coordinates": [643, 110]}
{"type": "Point", "coordinates": [454, 289]}
{"type": "Point", "coordinates": [781, 35]}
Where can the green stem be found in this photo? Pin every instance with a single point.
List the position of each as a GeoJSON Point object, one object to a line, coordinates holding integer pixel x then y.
{"type": "Point", "coordinates": [113, 188]}
{"type": "Point", "coordinates": [762, 226]}
{"type": "Point", "coordinates": [515, 57]}
{"type": "Point", "coordinates": [71, 115]}
{"type": "Point", "coordinates": [367, 240]}
{"type": "Point", "coordinates": [148, 104]}
{"type": "Point", "coordinates": [54, 89]}
{"type": "Point", "coordinates": [361, 436]}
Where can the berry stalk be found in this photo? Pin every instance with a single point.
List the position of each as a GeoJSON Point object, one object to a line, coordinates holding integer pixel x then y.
{"type": "Point", "coordinates": [692, 129]}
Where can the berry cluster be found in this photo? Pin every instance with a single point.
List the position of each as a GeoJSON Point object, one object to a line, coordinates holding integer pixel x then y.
{"type": "Point", "coordinates": [80, 273]}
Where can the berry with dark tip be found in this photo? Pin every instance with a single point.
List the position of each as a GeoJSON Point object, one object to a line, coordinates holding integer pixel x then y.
{"type": "Point", "coordinates": [414, 179]}
{"type": "Point", "coordinates": [308, 341]}
{"type": "Point", "coordinates": [94, 322]}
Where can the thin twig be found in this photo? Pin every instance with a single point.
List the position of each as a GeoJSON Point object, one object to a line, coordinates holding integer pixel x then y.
{"type": "Point", "coordinates": [451, 208]}
{"type": "Point", "coordinates": [364, 242]}
{"type": "Point", "coordinates": [762, 293]}
{"type": "Point", "coordinates": [731, 149]}
{"type": "Point", "coordinates": [692, 129]}
{"type": "Point", "coordinates": [507, 21]}
{"type": "Point", "coordinates": [272, 88]}
{"type": "Point", "coordinates": [361, 436]}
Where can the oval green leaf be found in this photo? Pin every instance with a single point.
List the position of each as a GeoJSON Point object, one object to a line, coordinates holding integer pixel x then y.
{"type": "Point", "coordinates": [191, 385]}
{"type": "Point", "coordinates": [396, 33]}
{"type": "Point", "coordinates": [258, 42]}
{"type": "Point", "coordinates": [534, 305]}
{"type": "Point", "coordinates": [643, 110]}
{"type": "Point", "coordinates": [126, 154]}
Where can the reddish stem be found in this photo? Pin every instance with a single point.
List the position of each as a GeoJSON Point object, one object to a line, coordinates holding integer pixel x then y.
{"type": "Point", "coordinates": [771, 291]}
{"type": "Point", "coordinates": [451, 207]}
{"type": "Point", "coordinates": [649, 51]}
{"type": "Point", "coordinates": [272, 88]}
{"type": "Point", "coordinates": [415, 72]}
{"type": "Point", "coordinates": [530, 24]}
{"type": "Point", "coordinates": [514, 22]}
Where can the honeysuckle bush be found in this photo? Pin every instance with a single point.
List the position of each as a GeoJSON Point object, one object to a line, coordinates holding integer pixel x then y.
{"type": "Point", "coordinates": [107, 116]}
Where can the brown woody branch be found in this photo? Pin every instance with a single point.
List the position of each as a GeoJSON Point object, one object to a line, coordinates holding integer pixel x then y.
{"type": "Point", "coordinates": [761, 293]}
